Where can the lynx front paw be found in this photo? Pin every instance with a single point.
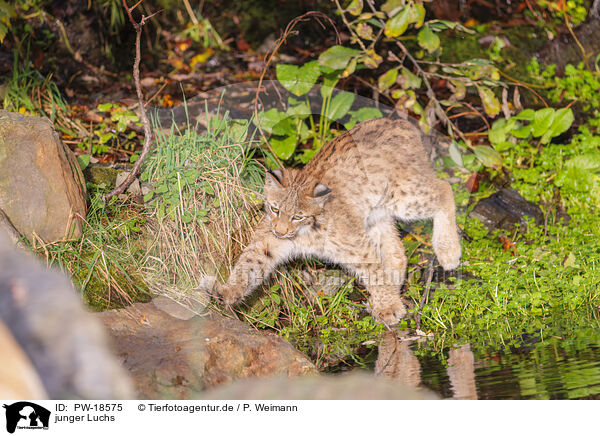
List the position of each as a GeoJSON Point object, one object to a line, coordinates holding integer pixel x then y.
{"type": "Point", "coordinates": [228, 295]}
{"type": "Point", "coordinates": [388, 309]}
{"type": "Point", "coordinates": [449, 258]}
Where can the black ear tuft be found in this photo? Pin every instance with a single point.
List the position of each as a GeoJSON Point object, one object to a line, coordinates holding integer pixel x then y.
{"type": "Point", "coordinates": [321, 190]}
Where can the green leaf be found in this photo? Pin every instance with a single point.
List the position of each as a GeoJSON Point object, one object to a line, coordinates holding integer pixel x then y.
{"type": "Point", "coordinates": [366, 113]}
{"type": "Point", "coordinates": [283, 147]}
{"type": "Point", "coordinates": [398, 24]}
{"type": "Point", "coordinates": [455, 154]}
{"type": "Point", "coordinates": [409, 80]}
{"type": "Point", "coordinates": [104, 107]}
{"type": "Point", "coordinates": [355, 7]}
{"type": "Point", "coordinates": [562, 121]}
{"type": "Point", "coordinates": [300, 110]}
{"type": "Point", "coordinates": [522, 132]}
{"type": "Point", "coordinates": [148, 196]}
{"type": "Point", "coordinates": [488, 156]}
{"type": "Point", "coordinates": [491, 104]}
{"type": "Point", "coordinates": [588, 161]}
{"type": "Point", "coordinates": [527, 115]}
{"type": "Point", "coordinates": [83, 160]}
{"type": "Point", "coordinates": [298, 80]}
{"type": "Point", "coordinates": [418, 14]}
{"type": "Point", "coordinates": [340, 105]}
{"type": "Point", "coordinates": [428, 40]}
{"type": "Point", "coordinates": [270, 119]}
{"type": "Point", "coordinates": [337, 57]}
{"type": "Point", "coordinates": [542, 121]}
{"type": "Point", "coordinates": [387, 79]}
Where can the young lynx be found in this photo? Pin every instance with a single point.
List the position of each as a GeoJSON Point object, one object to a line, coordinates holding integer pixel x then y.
{"type": "Point", "coordinates": [342, 208]}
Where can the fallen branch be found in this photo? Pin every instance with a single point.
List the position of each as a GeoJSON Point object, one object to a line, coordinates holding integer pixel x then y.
{"type": "Point", "coordinates": [138, 88]}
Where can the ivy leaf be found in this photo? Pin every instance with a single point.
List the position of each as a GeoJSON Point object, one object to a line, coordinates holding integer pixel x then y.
{"type": "Point", "coordinates": [337, 57]}
{"type": "Point", "coordinates": [387, 79]}
{"type": "Point", "coordinates": [298, 80]}
{"type": "Point", "coordinates": [398, 24]}
{"type": "Point", "coordinates": [488, 156]}
{"type": "Point", "coordinates": [428, 40]}
{"type": "Point", "coordinates": [491, 104]}
{"type": "Point", "coordinates": [542, 121]}
{"type": "Point", "coordinates": [340, 105]}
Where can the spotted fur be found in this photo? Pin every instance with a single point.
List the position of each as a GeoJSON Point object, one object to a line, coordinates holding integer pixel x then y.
{"type": "Point", "coordinates": [342, 207]}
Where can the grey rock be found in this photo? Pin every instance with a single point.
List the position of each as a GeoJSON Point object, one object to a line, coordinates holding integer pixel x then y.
{"type": "Point", "coordinates": [504, 209]}
{"type": "Point", "coordinates": [42, 189]}
{"type": "Point", "coordinates": [66, 344]}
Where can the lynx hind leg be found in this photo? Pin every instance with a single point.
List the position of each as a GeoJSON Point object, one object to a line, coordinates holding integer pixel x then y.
{"type": "Point", "coordinates": [446, 241]}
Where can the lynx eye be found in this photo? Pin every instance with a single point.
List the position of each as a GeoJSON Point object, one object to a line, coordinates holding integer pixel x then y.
{"type": "Point", "coordinates": [274, 210]}
{"type": "Point", "coordinates": [297, 218]}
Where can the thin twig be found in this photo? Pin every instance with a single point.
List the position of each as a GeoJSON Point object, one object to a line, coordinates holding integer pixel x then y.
{"type": "Point", "coordinates": [138, 88]}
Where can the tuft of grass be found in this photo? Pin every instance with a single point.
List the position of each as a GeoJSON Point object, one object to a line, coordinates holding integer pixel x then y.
{"type": "Point", "coordinates": [105, 264]}
{"type": "Point", "coordinates": [28, 92]}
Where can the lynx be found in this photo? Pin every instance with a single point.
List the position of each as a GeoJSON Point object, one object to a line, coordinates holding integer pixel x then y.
{"type": "Point", "coordinates": [342, 207]}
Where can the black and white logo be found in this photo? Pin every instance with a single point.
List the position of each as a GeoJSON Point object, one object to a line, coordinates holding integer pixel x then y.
{"type": "Point", "coordinates": [26, 415]}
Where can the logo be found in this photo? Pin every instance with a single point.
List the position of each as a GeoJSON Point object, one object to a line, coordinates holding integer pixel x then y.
{"type": "Point", "coordinates": [26, 415]}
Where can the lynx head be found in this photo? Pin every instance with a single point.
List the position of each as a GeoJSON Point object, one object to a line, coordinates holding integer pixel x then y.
{"type": "Point", "coordinates": [292, 203]}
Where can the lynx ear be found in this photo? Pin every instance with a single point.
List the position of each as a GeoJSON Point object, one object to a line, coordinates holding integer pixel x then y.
{"type": "Point", "coordinates": [321, 191]}
{"type": "Point", "coordinates": [273, 179]}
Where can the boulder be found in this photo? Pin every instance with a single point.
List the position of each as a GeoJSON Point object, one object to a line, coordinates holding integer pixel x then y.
{"type": "Point", "coordinates": [42, 190]}
{"type": "Point", "coordinates": [173, 353]}
{"type": "Point", "coordinates": [67, 345]}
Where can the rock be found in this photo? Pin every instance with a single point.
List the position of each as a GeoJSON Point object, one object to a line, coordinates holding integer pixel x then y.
{"type": "Point", "coordinates": [41, 186]}
{"type": "Point", "coordinates": [18, 378]}
{"type": "Point", "coordinates": [565, 50]}
{"type": "Point", "coordinates": [354, 386]}
{"type": "Point", "coordinates": [504, 209]}
{"type": "Point", "coordinates": [98, 174]}
{"type": "Point", "coordinates": [66, 344]}
{"type": "Point", "coordinates": [178, 357]}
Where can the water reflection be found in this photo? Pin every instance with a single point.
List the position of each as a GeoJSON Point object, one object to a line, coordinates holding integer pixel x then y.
{"type": "Point", "coordinates": [555, 367]}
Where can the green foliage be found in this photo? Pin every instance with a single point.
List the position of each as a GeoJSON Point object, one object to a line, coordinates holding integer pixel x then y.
{"type": "Point", "coordinates": [178, 169]}
{"type": "Point", "coordinates": [106, 263]}
{"type": "Point", "coordinates": [7, 13]}
{"type": "Point", "coordinates": [107, 135]}
{"type": "Point", "coordinates": [297, 125]}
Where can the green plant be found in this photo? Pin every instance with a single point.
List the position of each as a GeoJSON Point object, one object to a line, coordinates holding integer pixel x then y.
{"type": "Point", "coordinates": [107, 135]}
{"type": "Point", "coordinates": [7, 13]}
{"type": "Point", "coordinates": [298, 125]}
{"type": "Point", "coordinates": [106, 262]}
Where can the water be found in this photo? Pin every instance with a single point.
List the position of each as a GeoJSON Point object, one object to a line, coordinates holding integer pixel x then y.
{"type": "Point", "coordinates": [555, 367]}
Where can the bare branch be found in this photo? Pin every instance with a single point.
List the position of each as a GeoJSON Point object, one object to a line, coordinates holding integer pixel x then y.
{"type": "Point", "coordinates": [138, 88]}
